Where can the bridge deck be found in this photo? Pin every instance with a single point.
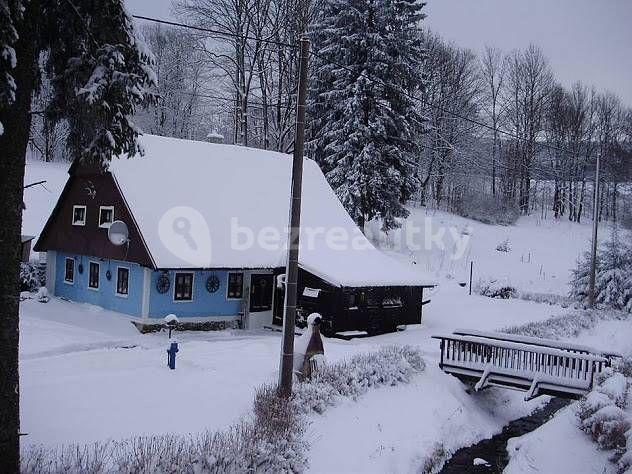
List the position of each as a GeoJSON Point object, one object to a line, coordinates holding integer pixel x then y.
{"type": "Point", "coordinates": [537, 366]}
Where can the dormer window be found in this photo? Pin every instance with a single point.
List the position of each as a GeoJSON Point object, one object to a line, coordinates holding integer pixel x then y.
{"type": "Point", "coordinates": [78, 215]}
{"type": "Point", "coordinates": [106, 216]}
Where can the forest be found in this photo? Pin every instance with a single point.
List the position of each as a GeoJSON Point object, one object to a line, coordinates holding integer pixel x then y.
{"type": "Point", "coordinates": [489, 135]}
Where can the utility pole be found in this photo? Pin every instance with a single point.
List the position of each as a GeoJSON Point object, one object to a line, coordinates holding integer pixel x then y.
{"type": "Point", "coordinates": [593, 261]}
{"type": "Point", "coordinates": [291, 270]}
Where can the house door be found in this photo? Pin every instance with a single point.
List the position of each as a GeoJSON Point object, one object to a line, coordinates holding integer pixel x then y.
{"type": "Point", "coordinates": [261, 289]}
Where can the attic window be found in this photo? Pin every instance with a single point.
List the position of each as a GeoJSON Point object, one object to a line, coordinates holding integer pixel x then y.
{"type": "Point", "coordinates": [78, 215]}
{"type": "Point", "coordinates": [106, 216]}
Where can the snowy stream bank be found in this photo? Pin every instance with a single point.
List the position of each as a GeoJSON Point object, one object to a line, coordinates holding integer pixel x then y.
{"type": "Point", "coordinates": [493, 451]}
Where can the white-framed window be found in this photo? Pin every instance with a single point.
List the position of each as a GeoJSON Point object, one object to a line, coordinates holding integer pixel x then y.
{"type": "Point", "coordinates": [93, 275]}
{"type": "Point", "coordinates": [235, 286]}
{"type": "Point", "coordinates": [122, 281]}
{"type": "Point", "coordinates": [69, 271]}
{"type": "Point", "coordinates": [106, 216]}
{"type": "Point", "coordinates": [78, 215]}
{"type": "Point", "coordinates": [183, 286]}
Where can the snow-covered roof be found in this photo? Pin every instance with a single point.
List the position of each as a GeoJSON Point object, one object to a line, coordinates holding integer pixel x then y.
{"type": "Point", "coordinates": [224, 187]}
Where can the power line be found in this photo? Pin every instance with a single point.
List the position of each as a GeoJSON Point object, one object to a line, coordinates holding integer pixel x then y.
{"type": "Point", "coordinates": [443, 109]}
{"type": "Point", "coordinates": [255, 104]}
{"type": "Point", "coordinates": [412, 97]}
{"type": "Point", "coordinates": [214, 31]}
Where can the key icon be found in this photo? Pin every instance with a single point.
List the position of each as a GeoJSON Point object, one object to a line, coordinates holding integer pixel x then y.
{"type": "Point", "coordinates": [185, 234]}
{"type": "Point", "coordinates": [182, 227]}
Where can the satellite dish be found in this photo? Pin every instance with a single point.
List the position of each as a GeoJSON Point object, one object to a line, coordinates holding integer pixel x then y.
{"type": "Point", "coordinates": [118, 233]}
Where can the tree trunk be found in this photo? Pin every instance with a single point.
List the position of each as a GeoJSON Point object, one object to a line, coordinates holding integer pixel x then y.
{"type": "Point", "coordinates": [13, 143]}
{"type": "Point", "coordinates": [582, 196]}
{"type": "Point", "coordinates": [614, 201]}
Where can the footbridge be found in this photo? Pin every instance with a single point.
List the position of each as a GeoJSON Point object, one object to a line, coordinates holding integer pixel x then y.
{"type": "Point", "coordinates": [533, 365]}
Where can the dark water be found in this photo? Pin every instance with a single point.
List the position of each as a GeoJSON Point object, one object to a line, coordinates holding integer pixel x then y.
{"type": "Point", "coordinates": [494, 450]}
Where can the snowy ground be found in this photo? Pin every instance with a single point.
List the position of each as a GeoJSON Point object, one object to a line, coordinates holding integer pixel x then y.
{"type": "Point", "coordinates": [87, 374]}
{"type": "Point", "coordinates": [542, 251]}
{"type": "Point", "coordinates": [106, 380]}
{"type": "Point", "coordinates": [572, 452]}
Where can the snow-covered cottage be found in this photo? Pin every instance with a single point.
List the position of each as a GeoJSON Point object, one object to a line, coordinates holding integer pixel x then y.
{"type": "Point", "coordinates": [207, 241]}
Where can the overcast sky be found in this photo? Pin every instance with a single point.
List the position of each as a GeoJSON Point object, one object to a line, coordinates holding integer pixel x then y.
{"type": "Point", "coordinates": [587, 40]}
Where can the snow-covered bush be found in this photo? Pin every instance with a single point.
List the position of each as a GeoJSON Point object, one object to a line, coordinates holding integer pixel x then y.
{"type": "Point", "coordinates": [548, 298]}
{"type": "Point", "coordinates": [607, 426]}
{"type": "Point", "coordinates": [504, 246]}
{"type": "Point", "coordinates": [568, 325]}
{"type": "Point", "coordinates": [391, 365]}
{"type": "Point", "coordinates": [625, 365]}
{"type": "Point", "coordinates": [29, 279]}
{"type": "Point", "coordinates": [487, 209]}
{"type": "Point", "coordinates": [601, 413]}
{"type": "Point", "coordinates": [625, 463]}
{"type": "Point", "coordinates": [494, 288]}
{"type": "Point", "coordinates": [244, 447]}
{"type": "Point", "coordinates": [613, 282]}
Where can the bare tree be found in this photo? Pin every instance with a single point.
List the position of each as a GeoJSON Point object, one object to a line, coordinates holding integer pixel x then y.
{"type": "Point", "coordinates": [451, 92]}
{"type": "Point", "coordinates": [180, 73]}
{"type": "Point", "coordinates": [492, 72]}
{"type": "Point", "coordinates": [526, 96]}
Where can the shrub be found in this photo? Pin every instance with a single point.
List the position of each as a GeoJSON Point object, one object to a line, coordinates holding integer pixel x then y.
{"type": "Point", "coordinates": [568, 325]}
{"type": "Point", "coordinates": [625, 463]}
{"type": "Point", "coordinates": [601, 413]}
{"type": "Point", "coordinates": [625, 366]}
{"type": "Point", "coordinates": [487, 209]}
{"type": "Point", "coordinates": [391, 365]}
{"type": "Point", "coordinates": [504, 246]}
{"type": "Point", "coordinates": [613, 283]}
{"type": "Point", "coordinates": [496, 289]}
{"type": "Point", "coordinates": [607, 426]}
{"type": "Point", "coordinates": [29, 278]}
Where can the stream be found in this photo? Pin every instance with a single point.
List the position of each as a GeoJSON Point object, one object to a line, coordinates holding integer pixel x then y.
{"type": "Point", "coordinates": [494, 450]}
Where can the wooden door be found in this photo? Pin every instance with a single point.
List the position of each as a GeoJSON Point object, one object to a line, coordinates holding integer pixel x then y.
{"type": "Point", "coordinates": [261, 290]}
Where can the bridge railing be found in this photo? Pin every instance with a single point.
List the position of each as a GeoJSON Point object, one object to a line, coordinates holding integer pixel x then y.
{"type": "Point", "coordinates": [521, 365]}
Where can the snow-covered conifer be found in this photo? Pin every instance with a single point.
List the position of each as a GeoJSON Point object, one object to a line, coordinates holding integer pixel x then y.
{"type": "Point", "coordinates": [613, 284]}
{"type": "Point", "coordinates": [364, 125]}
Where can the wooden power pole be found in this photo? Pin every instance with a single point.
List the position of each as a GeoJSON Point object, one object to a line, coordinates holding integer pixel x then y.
{"type": "Point", "coordinates": [593, 261]}
{"type": "Point", "coordinates": [291, 270]}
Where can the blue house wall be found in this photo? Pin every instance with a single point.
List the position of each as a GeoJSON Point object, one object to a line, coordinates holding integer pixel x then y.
{"type": "Point", "coordinates": [105, 296]}
{"type": "Point", "coordinates": [203, 303]}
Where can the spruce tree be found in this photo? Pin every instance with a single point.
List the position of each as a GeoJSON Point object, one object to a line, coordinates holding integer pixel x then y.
{"type": "Point", "coordinates": [363, 124]}
{"type": "Point", "coordinates": [101, 73]}
{"type": "Point", "coordinates": [613, 282]}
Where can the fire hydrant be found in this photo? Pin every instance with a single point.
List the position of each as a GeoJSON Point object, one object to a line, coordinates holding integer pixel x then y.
{"type": "Point", "coordinates": [171, 355]}
{"type": "Point", "coordinates": [171, 322]}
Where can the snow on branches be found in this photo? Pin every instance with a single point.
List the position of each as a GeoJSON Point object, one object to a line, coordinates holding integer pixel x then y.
{"type": "Point", "coordinates": [364, 125]}
{"type": "Point", "coordinates": [613, 283]}
{"type": "Point", "coordinates": [102, 74]}
{"type": "Point", "coordinates": [10, 12]}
